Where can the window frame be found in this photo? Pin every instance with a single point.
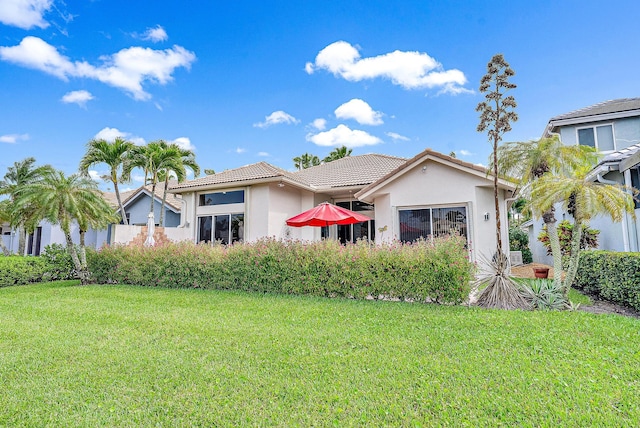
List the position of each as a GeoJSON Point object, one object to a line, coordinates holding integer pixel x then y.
{"type": "Point", "coordinates": [212, 218]}
{"type": "Point", "coordinates": [467, 214]}
{"type": "Point", "coordinates": [595, 136]}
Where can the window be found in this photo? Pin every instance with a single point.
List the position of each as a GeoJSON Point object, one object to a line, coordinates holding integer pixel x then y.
{"type": "Point", "coordinates": [599, 137]}
{"type": "Point", "coordinates": [222, 198]}
{"type": "Point", "coordinates": [432, 222]}
{"type": "Point", "coordinates": [223, 228]}
{"type": "Point", "coordinates": [353, 232]}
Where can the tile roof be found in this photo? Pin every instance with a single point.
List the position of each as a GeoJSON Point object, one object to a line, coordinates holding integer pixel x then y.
{"type": "Point", "coordinates": [349, 171]}
{"type": "Point", "coordinates": [256, 171]}
{"type": "Point", "coordinates": [611, 106]}
{"type": "Point", "coordinates": [419, 157]}
{"type": "Point", "coordinates": [172, 200]}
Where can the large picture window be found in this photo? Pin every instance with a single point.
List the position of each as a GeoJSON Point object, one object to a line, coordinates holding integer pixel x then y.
{"type": "Point", "coordinates": [429, 223]}
{"type": "Point", "coordinates": [222, 198]}
{"type": "Point", "coordinates": [599, 137]}
{"type": "Point", "coordinates": [363, 230]}
{"type": "Point", "coordinates": [223, 228]}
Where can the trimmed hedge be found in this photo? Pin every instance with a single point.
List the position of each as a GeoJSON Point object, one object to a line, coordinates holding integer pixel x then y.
{"type": "Point", "coordinates": [614, 276]}
{"type": "Point", "coordinates": [424, 271]}
{"type": "Point", "coordinates": [17, 270]}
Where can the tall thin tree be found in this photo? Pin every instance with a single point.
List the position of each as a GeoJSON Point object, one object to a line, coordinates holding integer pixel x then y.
{"type": "Point", "coordinates": [116, 155]}
{"type": "Point", "coordinates": [496, 115]}
{"type": "Point", "coordinates": [187, 159]}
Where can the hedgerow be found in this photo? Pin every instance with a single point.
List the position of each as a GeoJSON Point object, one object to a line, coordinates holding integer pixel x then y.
{"type": "Point", "coordinates": [614, 276]}
{"type": "Point", "coordinates": [16, 270]}
{"type": "Point", "coordinates": [436, 271]}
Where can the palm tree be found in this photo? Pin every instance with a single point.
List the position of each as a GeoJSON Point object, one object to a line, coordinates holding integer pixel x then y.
{"type": "Point", "coordinates": [116, 154]}
{"type": "Point", "coordinates": [583, 199]}
{"type": "Point", "coordinates": [19, 175]}
{"type": "Point", "coordinates": [530, 161]}
{"type": "Point", "coordinates": [186, 159]}
{"type": "Point", "coordinates": [306, 161]}
{"type": "Point", "coordinates": [338, 153]}
{"type": "Point", "coordinates": [62, 200]}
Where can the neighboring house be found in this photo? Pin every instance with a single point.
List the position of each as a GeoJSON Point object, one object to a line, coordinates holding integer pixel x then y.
{"type": "Point", "coordinates": [136, 204]}
{"type": "Point", "coordinates": [429, 195]}
{"type": "Point", "coordinates": [612, 127]}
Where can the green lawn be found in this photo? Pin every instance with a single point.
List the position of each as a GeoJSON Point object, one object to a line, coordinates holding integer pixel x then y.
{"type": "Point", "coordinates": [123, 356]}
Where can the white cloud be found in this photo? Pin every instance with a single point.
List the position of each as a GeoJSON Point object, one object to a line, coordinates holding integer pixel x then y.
{"type": "Point", "coordinates": [95, 175]}
{"type": "Point", "coordinates": [411, 70]}
{"type": "Point", "coordinates": [342, 135]}
{"type": "Point", "coordinates": [263, 154]}
{"type": "Point", "coordinates": [240, 150]}
{"type": "Point", "coordinates": [156, 34]}
{"type": "Point", "coordinates": [111, 134]}
{"type": "Point", "coordinates": [78, 97]}
{"type": "Point", "coordinates": [138, 178]}
{"type": "Point", "coordinates": [127, 69]}
{"type": "Point", "coordinates": [25, 14]}
{"type": "Point", "coordinates": [360, 111]}
{"type": "Point", "coordinates": [319, 124]}
{"type": "Point", "coordinates": [184, 143]}
{"type": "Point", "coordinates": [464, 152]}
{"type": "Point", "coordinates": [13, 138]}
{"type": "Point", "coordinates": [275, 118]}
{"type": "Point", "coordinates": [396, 136]}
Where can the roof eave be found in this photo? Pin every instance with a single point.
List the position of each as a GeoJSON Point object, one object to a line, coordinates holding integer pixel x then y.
{"type": "Point", "coordinates": [241, 183]}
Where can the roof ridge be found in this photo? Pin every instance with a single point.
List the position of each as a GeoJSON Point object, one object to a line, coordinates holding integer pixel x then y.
{"type": "Point", "coordinates": [592, 106]}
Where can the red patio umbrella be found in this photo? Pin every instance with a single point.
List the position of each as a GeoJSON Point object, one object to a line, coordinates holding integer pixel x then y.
{"type": "Point", "coordinates": [326, 214]}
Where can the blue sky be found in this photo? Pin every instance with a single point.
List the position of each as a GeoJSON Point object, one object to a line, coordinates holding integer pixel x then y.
{"type": "Point", "coordinates": [245, 81]}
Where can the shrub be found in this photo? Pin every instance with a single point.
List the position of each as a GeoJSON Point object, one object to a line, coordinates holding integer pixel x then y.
{"type": "Point", "coordinates": [589, 239]}
{"type": "Point", "coordinates": [543, 294]}
{"type": "Point", "coordinates": [17, 270]}
{"type": "Point", "coordinates": [519, 241]}
{"type": "Point", "coordinates": [59, 259]}
{"type": "Point", "coordinates": [610, 275]}
{"type": "Point", "coordinates": [436, 271]}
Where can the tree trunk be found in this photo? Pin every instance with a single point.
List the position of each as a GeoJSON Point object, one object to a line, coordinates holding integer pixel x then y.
{"type": "Point", "coordinates": [153, 193]}
{"type": "Point", "coordinates": [549, 219]}
{"type": "Point", "coordinates": [83, 274]}
{"type": "Point", "coordinates": [83, 253]}
{"type": "Point", "coordinates": [22, 241]}
{"type": "Point", "coordinates": [122, 213]}
{"type": "Point", "coordinates": [574, 257]}
{"type": "Point", "coordinates": [495, 196]}
{"type": "Point", "coordinates": [164, 201]}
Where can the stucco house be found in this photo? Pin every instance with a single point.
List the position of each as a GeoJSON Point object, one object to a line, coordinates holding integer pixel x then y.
{"type": "Point", "coordinates": [428, 195]}
{"type": "Point", "coordinates": [612, 127]}
{"type": "Point", "coordinates": [136, 203]}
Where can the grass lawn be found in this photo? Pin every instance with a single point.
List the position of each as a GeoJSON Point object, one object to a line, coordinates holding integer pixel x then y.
{"type": "Point", "coordinates": [123, 356]}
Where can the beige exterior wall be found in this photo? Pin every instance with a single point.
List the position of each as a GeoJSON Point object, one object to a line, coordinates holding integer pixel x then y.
{"type": "Point", "coordinates": [440, 185]}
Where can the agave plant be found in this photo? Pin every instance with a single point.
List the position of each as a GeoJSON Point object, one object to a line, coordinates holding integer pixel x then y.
{"type": "Point", "coordinates": [544, 294]}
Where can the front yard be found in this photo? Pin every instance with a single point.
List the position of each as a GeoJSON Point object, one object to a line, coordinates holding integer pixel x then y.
{"type": "Point", "coordinates": [122, 356]}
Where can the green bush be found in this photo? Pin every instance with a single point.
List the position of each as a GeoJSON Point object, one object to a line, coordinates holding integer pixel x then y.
{"type": "Point", "coordinates": [424, 271]}
{"type": "Point", "coordinates": [59, 259]}
{"type": "Point", "coordinates": [519, 241]}
{"type": "Point", "coordinates": [613, 276]}
{"type": "Point", "coordinates": [17, 270]}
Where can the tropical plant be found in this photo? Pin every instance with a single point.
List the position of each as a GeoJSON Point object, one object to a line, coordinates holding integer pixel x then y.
{"type": "Point", "coordinates": [337, 153]}
{"type": "Point", "coordinates": [64, 200]}
{"type": "Point", "coordinates": [186, 159]}
{"type": "Point", "coordinates": [589, 239]}
{"type": "Point", "coordinates": [209, 171]}
{"type": "Point", "coordinates": [583, 199]}
{"type": "Point", "coordinates": [25, 218]}
{"type": "Point", "coordinates": [306, 161]}
{"type": "Point", "coordinates": [544, 294]}
{"type": "Point", "coordinates": [531, 160]}
{"type": "Point", "coordinates": [496, 114]}
{"type": "Point", "coordinates": [116, 155]}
